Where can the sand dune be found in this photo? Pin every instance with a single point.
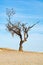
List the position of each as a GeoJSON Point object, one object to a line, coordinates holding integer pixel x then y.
{"type": "Point", "coordinates": [13, 57]}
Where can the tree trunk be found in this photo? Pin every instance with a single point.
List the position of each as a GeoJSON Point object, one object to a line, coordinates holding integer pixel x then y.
{"type": "Point", "coordinates": [20, 48]}
{"type": "Point", "coordinates": [21, 42]}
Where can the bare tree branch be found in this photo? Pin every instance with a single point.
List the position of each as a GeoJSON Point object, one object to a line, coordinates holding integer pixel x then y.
{"type": "Point", "coordinates": [17, 28]}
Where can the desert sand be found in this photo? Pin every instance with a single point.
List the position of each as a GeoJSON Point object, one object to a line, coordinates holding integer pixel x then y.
{"type": "Point", "coordinates": [14, 57]}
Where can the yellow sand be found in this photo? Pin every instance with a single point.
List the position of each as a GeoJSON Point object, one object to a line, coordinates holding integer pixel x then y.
{"type": "Point", "coordinates": [13, 57]}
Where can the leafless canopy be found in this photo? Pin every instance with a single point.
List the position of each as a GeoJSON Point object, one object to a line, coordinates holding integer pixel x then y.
{"type": "Point", "coordinates": [17, 28]}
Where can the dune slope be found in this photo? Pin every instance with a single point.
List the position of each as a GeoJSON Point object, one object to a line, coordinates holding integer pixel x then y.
{"type": "Point", "coordinates": [13, 57]}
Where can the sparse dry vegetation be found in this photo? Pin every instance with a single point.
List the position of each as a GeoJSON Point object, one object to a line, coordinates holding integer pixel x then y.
{"type": "Point", "coordinates": [17, 28]}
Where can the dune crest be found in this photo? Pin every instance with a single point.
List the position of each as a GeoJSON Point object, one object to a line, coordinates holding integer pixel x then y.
{"type": "Point", "coordinates": [13, 57]}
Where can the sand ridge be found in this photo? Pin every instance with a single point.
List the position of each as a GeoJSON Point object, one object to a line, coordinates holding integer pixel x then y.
{"type": "Point", "coordinates": [13, 57]}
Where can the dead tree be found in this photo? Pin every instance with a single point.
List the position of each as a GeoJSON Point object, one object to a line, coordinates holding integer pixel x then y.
{"type": "Point", "coordinates": [17, 28]}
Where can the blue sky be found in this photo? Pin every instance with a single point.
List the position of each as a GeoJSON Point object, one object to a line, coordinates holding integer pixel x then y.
{"type": "Point", "coordinates": [27, 11]}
